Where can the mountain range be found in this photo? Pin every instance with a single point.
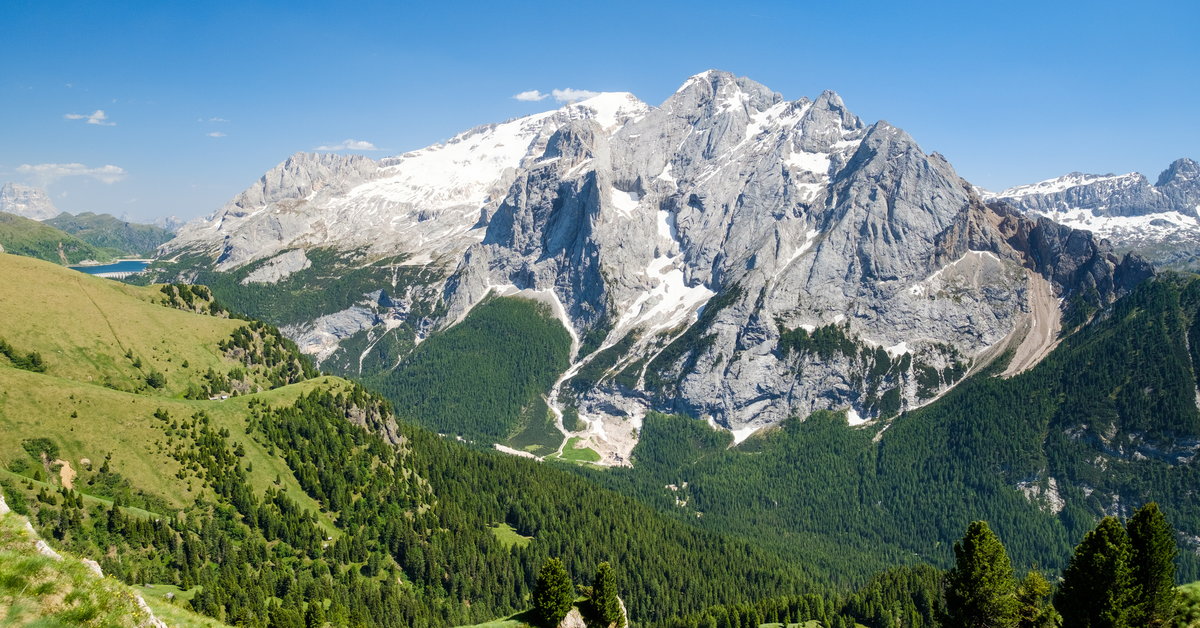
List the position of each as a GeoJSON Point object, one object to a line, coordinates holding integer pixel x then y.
{"type": "Point", "coordinates": [727, 254]}
{"type": "Point", "coordinates": [1160, 221]}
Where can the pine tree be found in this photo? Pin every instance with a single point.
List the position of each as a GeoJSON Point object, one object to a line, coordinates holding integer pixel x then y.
{"type": "Point", "coordinates": [980, 588]}
{"type": "Point", "coordinates": [1153, 543]}
{"type": "Point", "coordinates": [553, 594]}
{"type": "Point", "coordinates": [605, 604]}
{"type": "Point", "coordinates": [1098, 588]}
{"type": "Point", "coordinates": [1034, 609]}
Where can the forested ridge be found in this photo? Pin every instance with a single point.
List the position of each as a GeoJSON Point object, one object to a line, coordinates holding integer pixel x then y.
{"type": "Point", "coordinates": [1110, 415]}
{"type": "Point", "coordinates": [485, 377]}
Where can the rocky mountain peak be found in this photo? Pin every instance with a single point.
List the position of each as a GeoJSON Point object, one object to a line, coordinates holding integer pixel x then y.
{"type": "Point", "coordinates": [27, 201]}
{"type": "Point", "coordinates": [1183, 171]}
{"type": "Point", "coordinates": [715, 92]}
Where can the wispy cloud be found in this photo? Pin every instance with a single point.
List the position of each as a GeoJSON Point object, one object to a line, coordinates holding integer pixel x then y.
{"type": "Point", "coordinates": [568, 94]}
{"type": "Point", "coordinates": [572, 95]}
{"type": "Point", "coordinates": [45, 174]}
{"type": "Point", "coordinates": [211, 120]}
{"type": "Point", "coordinates": [216, 134]}
{"type": "Point", "coordinates": [98, 117]}
{"type": "Point", "coordinates": [532, 95]}
{"type": "Point", "coordinates": [350, 145]}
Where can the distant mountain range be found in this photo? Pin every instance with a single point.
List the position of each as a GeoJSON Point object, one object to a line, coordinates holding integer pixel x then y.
{"type": "Point", "coordinates": [1160, 221]}
{"type": "Point", "coordinates": [80, 237]}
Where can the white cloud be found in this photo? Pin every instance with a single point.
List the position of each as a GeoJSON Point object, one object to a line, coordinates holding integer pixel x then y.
{"type": "Point", "coordinates": [572, 95]}
{"type": "Point", "coordinates": [45, 174]}
{"type": "Point", "coordinates": [350, 145]}
{"type": "Point", "coordinates": [211, 120]}
{"type": "Point", "coordinates": [216, 134]}
{"type": "Point", "coordinates": [532, 95]}
{"type": "Point", "coordinates": [97, 117]}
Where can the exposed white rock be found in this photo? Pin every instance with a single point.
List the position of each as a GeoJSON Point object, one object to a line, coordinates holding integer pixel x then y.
{"type": "Point", "coordinates": [26, 201]}
{"type": "Point", "coordinates": [320, 337]}
{"type": "Point", "coordinates": [279, 267]}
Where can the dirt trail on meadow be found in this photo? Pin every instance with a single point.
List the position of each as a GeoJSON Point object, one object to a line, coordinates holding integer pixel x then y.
{"type": "Point", "coordinates": [66, 473]}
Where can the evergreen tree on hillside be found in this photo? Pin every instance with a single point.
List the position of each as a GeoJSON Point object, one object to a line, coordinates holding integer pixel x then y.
{"type": "Point", "coordinates": [605, 604]}
{"type": "Point", "coordinates": [1153, 543]}
{"type": "Point", "coordinates": [980, 590]}
{"type": "Point", "coordinates": [1033, 599]}
{"type": "Point", "coordinates": [1098, 589]}
{"type": "Point", "coordinates": [553, 593]}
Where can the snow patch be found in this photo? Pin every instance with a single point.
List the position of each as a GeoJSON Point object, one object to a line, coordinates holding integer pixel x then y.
{"type": "Point", "coordinates": [921, 288]}
{"type": "Point", "coordinates": [614, 109]}
{"type": "Point", "coordinates": [1061, 184]}
{"type": "Point", "coordinates": [515, 452]}
{"type": "Point", "coordinates": [665, 175]}
{"type": "Point", "coordinates": [742, 434]}
{"type": "Point", "coordinates": [810, 162]}
{"type": "Point", "coordinates": [853, 418]}
{"type": "Point", "coordinates": [624, 202]}
{"type": "Point", "coordinates": [809, 238]}
{"type": "Point", "coordinates": [1160, 226]}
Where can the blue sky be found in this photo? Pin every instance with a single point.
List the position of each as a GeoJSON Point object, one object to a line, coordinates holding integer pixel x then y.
{"type": "Point", "coordinates": [199, 99]}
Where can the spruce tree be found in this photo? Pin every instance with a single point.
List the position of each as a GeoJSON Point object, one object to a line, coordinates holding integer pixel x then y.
{"type": "Point", "coordinates": [980, 590]}
{"type": "Point", "coordinates": [605, 604]}
{"type": "Point", "coordinates": [1153, 543]}
{"type": "Point", "coordinates": [1098, 589]}
{"type": "Point", "coordinates": [553, 593]}
{"type": "Point", "coordinates": [1033, 599]}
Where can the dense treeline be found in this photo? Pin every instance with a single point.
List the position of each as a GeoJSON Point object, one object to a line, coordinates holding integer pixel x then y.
{"type": "Point", "coordinates": [909, 597]}
{"type": "Point", "coordinates": [1120, 576]}
{"type": "Point", "coordinates": [420, 513]}
{"type": "Point", "coordinates": [261, 345]}
{"type": "Point", "coordinates": [485, 377]}
{"type": "Point", "coordinates": [333, 281]}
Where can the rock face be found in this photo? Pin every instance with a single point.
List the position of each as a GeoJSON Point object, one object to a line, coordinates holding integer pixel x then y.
{"type": "Point", "coordinates": [26, 201]}
{"type": "Point", "coordinates": [729, 254]}
{"type": "Point", "coordinates": [1162, 219]}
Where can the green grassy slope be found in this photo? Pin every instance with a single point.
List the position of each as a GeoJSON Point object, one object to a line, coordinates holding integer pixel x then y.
{"type": "Point", "coordinates": [23, 236]}
{"type": "Point", "coordinates": [36, 589]}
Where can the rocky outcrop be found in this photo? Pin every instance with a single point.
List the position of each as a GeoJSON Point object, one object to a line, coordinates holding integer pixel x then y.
{"type": "Point", "coordinates": [278, 267]}
{"type": "Point", "coordinates": [26, 201]}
